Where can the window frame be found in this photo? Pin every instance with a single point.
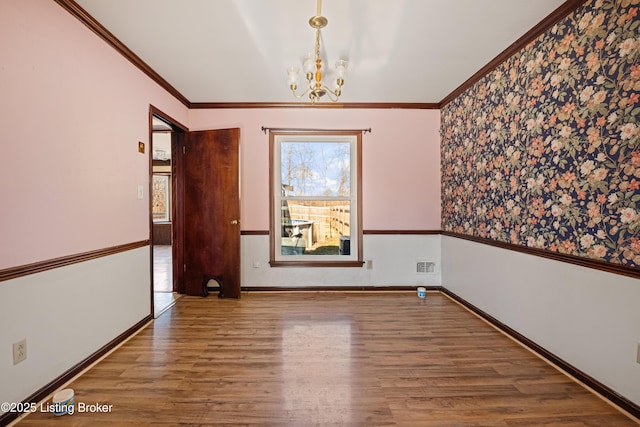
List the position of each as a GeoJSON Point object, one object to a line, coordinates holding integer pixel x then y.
{"type": "Point", "coordinates": [166, 183]}
{"type": "Point", "coordinates": [276, 137]}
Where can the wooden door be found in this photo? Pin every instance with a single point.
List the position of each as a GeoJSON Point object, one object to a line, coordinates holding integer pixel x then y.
{"type": "Point", "coordinates": [212, 212]}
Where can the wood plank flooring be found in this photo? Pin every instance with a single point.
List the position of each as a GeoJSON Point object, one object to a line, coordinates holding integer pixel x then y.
{"type": "Point", "coordinates": [163, 297]}
{"type": "Point", "coordinates": [162, 269]}
{"type": "Point", "coordinates": [328, 359]}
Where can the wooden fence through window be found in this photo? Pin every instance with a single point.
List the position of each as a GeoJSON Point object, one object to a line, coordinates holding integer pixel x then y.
{"type": "Point", "coordinates": [329, 222]}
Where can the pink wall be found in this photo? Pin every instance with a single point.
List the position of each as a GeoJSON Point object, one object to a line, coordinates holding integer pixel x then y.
{"type": "Point", "coordinates": [72, 111]}
{"type": "Point", "coordinates": [401, 160]}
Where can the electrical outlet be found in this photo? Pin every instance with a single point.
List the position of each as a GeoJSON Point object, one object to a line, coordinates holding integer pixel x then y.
{"type": "Point", "coordinates": [19, 351]}
{"type": "Point", "coordinates": [370, 264]}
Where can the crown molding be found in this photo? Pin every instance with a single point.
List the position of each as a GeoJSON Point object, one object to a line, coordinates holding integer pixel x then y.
{"type": "Point", "coordinates": [83, 16]}
{"type": "Point", "coordinates": [560, 13]}
{"type": "Point", "coordinates": [335, 105]}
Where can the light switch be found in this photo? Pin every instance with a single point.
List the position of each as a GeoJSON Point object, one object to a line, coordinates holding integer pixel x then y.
{"type": "Point", "coordinates": [140, 192]}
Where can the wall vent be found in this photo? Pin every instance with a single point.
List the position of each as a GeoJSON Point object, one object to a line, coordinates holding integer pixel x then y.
{"type": "Point", "coordinates": [425, 267]}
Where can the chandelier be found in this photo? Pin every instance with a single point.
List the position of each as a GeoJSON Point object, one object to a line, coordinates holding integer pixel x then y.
{"type": "Point", "coordinates": [312, 67]}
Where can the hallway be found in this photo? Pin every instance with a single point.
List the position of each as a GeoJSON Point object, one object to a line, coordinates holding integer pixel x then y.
{"type": "Point", "coordinates": [163, 297]}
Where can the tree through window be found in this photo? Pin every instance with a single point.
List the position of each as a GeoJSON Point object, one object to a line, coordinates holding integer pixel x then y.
{"type": "Point", "coordinates": [315, 196]}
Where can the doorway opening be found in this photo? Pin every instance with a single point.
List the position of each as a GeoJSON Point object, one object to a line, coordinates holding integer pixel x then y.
{"type": "Point", "coordinates": [162, 194]}
{"type": "Point", "coordinates": [196, 178]}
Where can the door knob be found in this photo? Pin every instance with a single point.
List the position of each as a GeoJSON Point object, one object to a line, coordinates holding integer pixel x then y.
{"type": "Point", "coordinates": [235, 221]}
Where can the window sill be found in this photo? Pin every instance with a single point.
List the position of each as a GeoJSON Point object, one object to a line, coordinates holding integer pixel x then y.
{"type": "Point", "coordinates": [316, 263]}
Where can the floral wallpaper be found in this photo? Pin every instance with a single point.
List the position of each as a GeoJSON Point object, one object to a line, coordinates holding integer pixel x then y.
{"type": "Point", "coordinates": [544, 151]}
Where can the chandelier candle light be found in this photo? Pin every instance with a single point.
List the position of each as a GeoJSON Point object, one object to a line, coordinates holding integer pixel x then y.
{"type": "Point", "coordinates": [312, 66]}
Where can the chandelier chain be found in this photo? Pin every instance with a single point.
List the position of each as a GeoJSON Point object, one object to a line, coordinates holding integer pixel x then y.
{"type": "Point", "coordinates": [317, 44]}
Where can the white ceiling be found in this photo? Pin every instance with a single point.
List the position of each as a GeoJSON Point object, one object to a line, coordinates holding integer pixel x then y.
{"type": "Point", "coordinates": [238, 50]}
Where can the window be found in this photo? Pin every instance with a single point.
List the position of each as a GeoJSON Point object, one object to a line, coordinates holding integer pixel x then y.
{"type": "Point", "coordinates": [315, 198]}
{"type": "Point", "coordinates": [160, 200]}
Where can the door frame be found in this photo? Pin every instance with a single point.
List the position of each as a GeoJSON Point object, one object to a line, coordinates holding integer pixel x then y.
{"type": "Point", "coordinates": [178, 132]}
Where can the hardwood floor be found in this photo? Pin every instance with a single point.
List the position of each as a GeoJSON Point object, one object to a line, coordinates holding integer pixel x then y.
{"type": "Point", "coordinates": [163, 297]}
{"type": "Point", "coordinates": [162, 269]}
{"type": "Point", "coordinates": [328, 359]}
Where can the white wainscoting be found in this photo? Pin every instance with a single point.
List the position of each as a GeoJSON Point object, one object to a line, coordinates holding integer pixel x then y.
{"type": "Point", "coordinates": [393, 263]}
{"type": "Point", "coordinates": [588, 318]}
{"type": "Point", "coordinates": [67, 314]}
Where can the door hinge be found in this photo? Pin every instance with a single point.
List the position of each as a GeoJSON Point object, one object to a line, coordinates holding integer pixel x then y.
{"type": "Point", "coordinates": [185, 268]}
{"type": "Point", "coordinates": [184, 149]}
